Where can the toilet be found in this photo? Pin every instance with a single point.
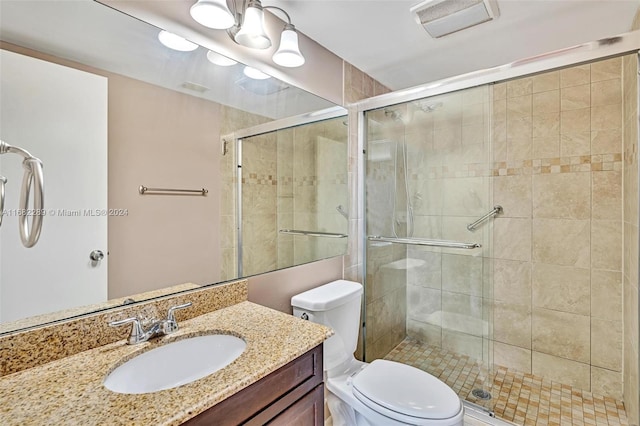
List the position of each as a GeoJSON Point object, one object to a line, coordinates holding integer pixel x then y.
{"type": "Point", "coordinates": [382, 393]}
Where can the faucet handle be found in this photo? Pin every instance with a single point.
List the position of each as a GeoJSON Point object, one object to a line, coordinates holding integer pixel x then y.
{"type": "Point", "coordinates": [137, 333]}
{"type": "Point", "coordinates": [171, 323]}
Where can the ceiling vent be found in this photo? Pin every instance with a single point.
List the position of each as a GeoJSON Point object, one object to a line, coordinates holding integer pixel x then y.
{"type": "Point", "coordinates": [442, 17]}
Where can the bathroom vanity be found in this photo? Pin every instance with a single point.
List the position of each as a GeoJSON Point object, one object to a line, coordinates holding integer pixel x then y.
{"type": "Point", "coordinates": [277, 379]}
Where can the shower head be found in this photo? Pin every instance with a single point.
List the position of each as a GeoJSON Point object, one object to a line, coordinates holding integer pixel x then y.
{"type": "Point", "coordinates": [395, 115]}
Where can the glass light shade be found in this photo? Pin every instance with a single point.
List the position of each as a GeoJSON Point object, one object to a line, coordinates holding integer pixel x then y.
{"type": "Point", "coordinates": [288, 53]}
{"type": "Point", "coordinates": [176, 42]}
{"type": "Point", "coordinates": [218, 59]}
{"type": "Point", "coordinates": [252, 33]}
{"type": "Point", "coordinates": [213, 14]}
{"type": "Point", "coordinates": [255, 74]}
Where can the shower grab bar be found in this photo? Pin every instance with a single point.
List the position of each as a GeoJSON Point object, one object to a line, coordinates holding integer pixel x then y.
{"type": "Point", "coordinates": [151, 191]}
{"type": "Point", "coordinates": [497, 209]}
{"type": "Point", "coordinates": [312, 233]}
{"type": "Point", "coordinates": [33, 178]}
{"type": "Point", "coordinates": [426, 242]}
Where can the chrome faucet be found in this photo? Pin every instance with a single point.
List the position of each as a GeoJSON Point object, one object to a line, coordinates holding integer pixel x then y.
{"type": "Point", "coordinates": [143, 330]}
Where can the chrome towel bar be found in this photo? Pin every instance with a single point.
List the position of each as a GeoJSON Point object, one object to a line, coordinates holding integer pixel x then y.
{"type": "Point", "coordinates": [159, 191]}
{"type": "Point", "coordinates": [426, 242]}
{"type": "Point", "coordinates": [313, 233]}
{"type": "Point", "coordinates": [497, 209]}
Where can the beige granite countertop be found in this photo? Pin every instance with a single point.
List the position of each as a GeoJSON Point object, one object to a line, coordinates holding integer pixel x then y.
{"type": "Point", "coordinates": [70, 391]}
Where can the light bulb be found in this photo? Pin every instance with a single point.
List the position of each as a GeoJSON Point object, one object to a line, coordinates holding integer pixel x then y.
{"type": "Point", "coordinates": [288, 53]}
{"type": "Point", "coordinates": [213, 14]}
{"type": "Point", "coordinates": [176, 42]}
{"type": "Point", "coordinates": [218, 59]}
{"type": "Point", "coordinates": [255, 74]}
{"type": "Point", "coordinates": [252, 33]}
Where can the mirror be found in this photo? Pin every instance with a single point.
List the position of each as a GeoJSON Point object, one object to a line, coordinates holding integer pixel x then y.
{"type": "Point", "coordinates": [108, 109]}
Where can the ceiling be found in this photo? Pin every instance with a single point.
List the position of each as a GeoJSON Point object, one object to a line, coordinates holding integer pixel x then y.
{"type": "Point", "coordinates": [381, 37]}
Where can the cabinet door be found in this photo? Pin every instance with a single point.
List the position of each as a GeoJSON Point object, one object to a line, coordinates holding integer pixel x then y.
{"type": "Point", "coordinates": [307, 411]}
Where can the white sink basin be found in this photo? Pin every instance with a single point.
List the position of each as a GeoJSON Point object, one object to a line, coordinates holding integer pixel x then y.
{"type": "Point", "coordinates": [175, 364]}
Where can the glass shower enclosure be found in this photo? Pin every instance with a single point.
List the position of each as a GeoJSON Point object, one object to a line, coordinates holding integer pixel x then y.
{"type": "Point", "coordinates": [429, 212]}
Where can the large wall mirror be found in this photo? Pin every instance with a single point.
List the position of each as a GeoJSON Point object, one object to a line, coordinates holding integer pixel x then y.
{"type": "Point", "coordinates": [108, 109]}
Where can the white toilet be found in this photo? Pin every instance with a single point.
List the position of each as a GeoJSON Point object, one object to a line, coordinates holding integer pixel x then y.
{"type": "Point", "coordinates": [378, 394]}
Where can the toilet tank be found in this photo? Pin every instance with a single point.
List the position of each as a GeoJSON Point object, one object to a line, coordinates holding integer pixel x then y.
{"type": "Point", "coordinates": [336, 305]}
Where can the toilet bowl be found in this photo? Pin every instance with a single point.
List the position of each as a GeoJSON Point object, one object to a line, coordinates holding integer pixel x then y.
{"type": "Point", "coordinates": [382, 393]}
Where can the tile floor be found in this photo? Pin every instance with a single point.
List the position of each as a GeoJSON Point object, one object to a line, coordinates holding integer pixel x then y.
{"type": "Point", "coordinates": [521, 398]}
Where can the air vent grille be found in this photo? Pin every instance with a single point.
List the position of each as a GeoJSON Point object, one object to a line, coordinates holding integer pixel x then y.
{"type": "Point", "coordinates": [443, 17]}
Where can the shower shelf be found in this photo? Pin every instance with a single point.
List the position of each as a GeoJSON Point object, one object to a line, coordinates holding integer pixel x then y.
{"type": "Point", "coordinates": [425, 242]}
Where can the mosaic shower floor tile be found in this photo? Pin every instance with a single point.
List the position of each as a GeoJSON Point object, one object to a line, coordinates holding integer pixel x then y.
{"type": "Point", "coordinates": [522, 398]}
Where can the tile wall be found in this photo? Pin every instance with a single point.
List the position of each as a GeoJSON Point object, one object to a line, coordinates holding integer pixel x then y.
{"type": "Point", "coordinates": [557, 139]}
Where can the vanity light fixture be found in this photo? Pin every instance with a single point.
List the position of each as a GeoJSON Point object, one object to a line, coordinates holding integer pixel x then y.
{"type": "Point", "coordinates": [254, 73]}
{"type": "Point", "coordinates": [176, 42]}
{"type": "Point", "coordinates": [218, 59]}
{"type": "Point", "coordinates": [247, 27]}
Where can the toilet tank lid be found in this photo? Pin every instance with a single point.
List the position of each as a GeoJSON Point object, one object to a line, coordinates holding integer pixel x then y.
{"type": "Point", "coordinates": [327, 296]}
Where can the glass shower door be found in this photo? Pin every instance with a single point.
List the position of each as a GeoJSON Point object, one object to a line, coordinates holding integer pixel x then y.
{"type": "Point", "coordinates": [428, 277]}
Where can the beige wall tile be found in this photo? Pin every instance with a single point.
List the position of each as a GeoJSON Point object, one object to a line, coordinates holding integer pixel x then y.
{"type": "Point", "coordinates": [519, 148]}
{"type": "Point", "coordinates": [575, 76]}
{"type": "Point", "coordinates": [606, 195]}
{"type": "Point", "coordinates": [562, 242]}
{"type": "Point", "coordinates": [575, 97]}
{"type": "Point", "coordinates": [472, 114]}
{"type": "Point", "coordinates": [462, 274]}
{"type": "Point", "coordinates": [460, 304]}
{"type": "Point", "coordinates": [575, 121]}
{"type": "Point", "coordinates": [462, 343]}
{"type": "Point", "coordinates": [606, 141]}
{"type": "Point", "coordinates": [606, 70]}
{"type": "Point", "coordinates": [513, 193]}
{"type": "Point", "coordinates": [606, 344]}
{"type": "Point", "coordinates": [606, 295]}
{"type": "Point", "coordinates": [422, 303]}
{"type": "Point", "coordinates": [606, 382]}
{"type": "Point", "coordinates": [546, 81]}
{"type": "Point", "coordinates": [573, 373]}
{"type": "Point", "coordinates": [424, 332]}
{"type": "Point", "coordinates": [562, 196]}
{"type": "Point", "coordinates": [561, 288]}
{"type": "Point", "coordinates": [546, 102]}
{"type": "Point", "coordinates": [606, 243]}
{"type": "Point", "coordinates": [512, 239]}
{"type": "Point", "coordinates": [573, 144]}
{"type": "Point", "coordinates": [465, 196]}
{"type": "Point", "coordinates": [512, 324]}
{"type": "Point", "coordinates": [606, 117]}
{"type": "Point", "coordinates": [546, 125]}
{"type": "Point", "coordinates": [499, 111]}
{"type": "Point", "coordinates": [512, 357]}
{"type": "Point", "coordinates": [499, 90]}
{"type": "Point", "coordinates": [608, 92]}
{"type": "Point", "coordinates": [519, 87]}
{"type": "Point", "coordinates": [512, 281]}
{"type": "Point", "coordinates": [561, 334]}
{"type": "Point", "coordinates": [518, 106]}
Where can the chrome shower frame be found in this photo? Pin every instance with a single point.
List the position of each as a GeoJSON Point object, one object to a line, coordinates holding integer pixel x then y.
{"type": "Point", "coordinates": [260, 129]}
{"type": "Point", "coordinates": [626, 43]}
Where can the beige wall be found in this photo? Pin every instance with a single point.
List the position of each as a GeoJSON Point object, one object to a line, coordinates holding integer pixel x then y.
{"type": "Point", "coordinates": [275, 289]}
{"type": "Point", "coordinates": [161, 138]}
{"type": "Point", "coordinates": [558, 166]}
{"type": "Point", "coordinates": [631, 380]}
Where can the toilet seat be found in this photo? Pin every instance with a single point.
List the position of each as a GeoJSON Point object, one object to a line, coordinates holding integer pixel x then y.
{"type": "Point", "coordinates": [405, 393]}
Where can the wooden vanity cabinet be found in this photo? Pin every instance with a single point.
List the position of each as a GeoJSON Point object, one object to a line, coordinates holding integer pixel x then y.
{"type": "Point", "coordinates": [291, 395]}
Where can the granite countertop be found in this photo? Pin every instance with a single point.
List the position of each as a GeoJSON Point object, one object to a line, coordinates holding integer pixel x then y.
{"type": "Point", "coordinates": [70, 390]}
